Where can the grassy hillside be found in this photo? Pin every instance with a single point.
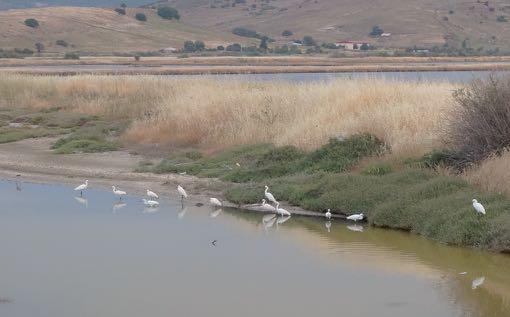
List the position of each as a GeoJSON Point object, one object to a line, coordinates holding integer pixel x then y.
{"type": "Point", "coordinates": [411, 22]}
{"type": "Point", "coordinates": [18, 4]}
{"type": "Point", "coordinates": [99, 29]}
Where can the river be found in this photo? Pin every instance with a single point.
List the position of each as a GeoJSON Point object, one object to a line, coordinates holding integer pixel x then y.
{"type": "Point", "coordinates": [64, 255]}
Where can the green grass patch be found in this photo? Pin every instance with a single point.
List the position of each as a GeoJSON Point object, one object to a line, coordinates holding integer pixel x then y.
{"type": "Point", "coordinates": [8, 134]}
{"type": "Point", "coordinates": [264, 161]}
{"type": "Point", "coordinates": [416, 200]}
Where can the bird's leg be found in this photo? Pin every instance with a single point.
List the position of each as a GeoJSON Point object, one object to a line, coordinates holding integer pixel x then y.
{"type": "Point", "coordinates": [81, 193]}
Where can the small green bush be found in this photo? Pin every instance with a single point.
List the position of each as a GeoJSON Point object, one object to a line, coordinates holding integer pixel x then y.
{"type": "Point", "coordinates": [120, 11]}
{"type": "Point", "coordinates": [287, 33]}
{"type": "Point", "coordinates": [71, 55]}
{"type": "Point", "coordinates": [141, 17]}
{"type": "Point", "coordinates": [168, 13]}
{"type": "Point", "coordinates": [65, 146]}
{"type": "Point", "coordinates": [377, 169]}
{"type": "Point", "coordinates": [33, 23]}
{"type": "Point", "coordinates": [62, 43]}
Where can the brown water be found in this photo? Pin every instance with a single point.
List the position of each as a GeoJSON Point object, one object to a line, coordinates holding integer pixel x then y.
{"type": "Point", "coordinates": [63, 256]}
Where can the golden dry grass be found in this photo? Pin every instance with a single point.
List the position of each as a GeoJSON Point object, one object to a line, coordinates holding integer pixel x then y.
{"type": "Point", "coordinates": [210, 114]}
{"type": "Point", "coordinates": [492, 175]}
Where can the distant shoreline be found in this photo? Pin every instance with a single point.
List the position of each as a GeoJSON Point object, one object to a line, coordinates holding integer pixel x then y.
{"type": "Point", "coordinates": [247, 65]}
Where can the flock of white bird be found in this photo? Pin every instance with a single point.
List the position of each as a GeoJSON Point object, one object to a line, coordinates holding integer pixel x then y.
{"type": "Point", "coordinates": [264, 206]}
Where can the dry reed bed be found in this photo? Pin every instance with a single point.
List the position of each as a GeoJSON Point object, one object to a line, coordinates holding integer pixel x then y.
{"type": "Point", "coordinates": [211, 114]}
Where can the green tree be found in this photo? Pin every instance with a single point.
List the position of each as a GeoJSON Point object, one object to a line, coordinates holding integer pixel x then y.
{"type": "Point", "coordinates": [287, 33]}
{"type": "Point", "coordinates": [309, 41]}
{"type": "Point", "coordinates": [120, 11]}
{"type": "Point", "coordinates": [39, 47]}
{"type": "Point", "coordinates": [263, 44]}
{"type": "Point", "coordinates": [33, 23]}
{"type": "Point", "coordinates": [168, 13]}
{"type": "Point", "coordinates": [141, 17]}
{"type": "Point", "coordinates": [189, 46]}
{"type": "Point", "coordinates": [199, 46]}
{"type": "Point", "coordinates": [376, 31]}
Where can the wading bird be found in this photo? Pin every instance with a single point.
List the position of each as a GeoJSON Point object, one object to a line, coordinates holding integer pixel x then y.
{"type": "Point", "coordinates": [182, 192]}
{"type": "Point", "coordinates": [269, 196]}
{"type": "Point", "coordinates": [478, 207]}
{"type": "Point", "coordinates": [215, 202]}
{"type": "Point", "coordinates": [119, 193]}
{"type": "Point", "coordinates": [281, 211]}
{"type": "Point", "coordinates": [328, 214]}
{"type": "Point", "coordinates": [266, 207]}
{"type": "Point", "coordinates": [477, 282]}
{"type": "Point", "coordinates": [152, 194]}
{"type": "Point", "coordinates": [82, 187]}
{"type": "Point", "coordinates": [150, 203]}
{"type": "Point", "coordinates": [356, 217]}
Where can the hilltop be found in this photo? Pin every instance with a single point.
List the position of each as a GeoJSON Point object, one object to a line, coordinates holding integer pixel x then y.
{"type": "Point", "coordinates": [100, 30]}
{"type": "Point", "coordinates": [410, 22]}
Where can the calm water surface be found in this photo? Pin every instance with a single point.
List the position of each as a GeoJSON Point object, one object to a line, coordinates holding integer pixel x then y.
{"type": "Point", "coordinates": [63, 256]}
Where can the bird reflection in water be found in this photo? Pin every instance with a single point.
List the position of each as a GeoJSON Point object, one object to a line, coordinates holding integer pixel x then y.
{"type": "Point", "coordinates": [18, 185]}
{"type": "Point", "coordinates": [328, 225]}
{"type": "Point", "coordinates": [477, 282]}
{"type": "Point", "coordinates": [268, 221]}
{"type": "Point", "coordinates": [215, 213]}
{"type": "Point", "coordinates": [281, 220]}
{"type": "Point", "coordinates": [150, 210]}
{"type": "Point", "coordinates": [183, 211]}
{"type": "Point", "coordinates": [118, 205]}
{"type": "Point", "coordinates": [82, 201]}
{"type": "Point", "coordinates": [356, 228]}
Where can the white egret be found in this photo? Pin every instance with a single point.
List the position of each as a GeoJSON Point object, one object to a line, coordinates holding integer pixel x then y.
{"type": "Point", "coordinates": [150, 203]}
{"type": "Point", "coordinates": [269, 196]}
{"type": "Point", "coordinates": [119, 193]}
{"type": "Point", "coordinates": [82, 187]}
{"type": "Point", "coordinates": [215, 213]}
{"type": "Point", "coordinates": [356, 217]}
{"type": "Point", "coordinates": [328, 225]}
{"type": "Point", "coordinates": [477, 282]}
{"type": "Point", "coordinates": [328, 214]}
{"type": "Point", "coordinates": [152, 194]}
{"type": "Point", "coordinates": [182, 192]}
{"type": "Point", "coordinates": [281, 211]}
{"type": "Point", "coordinates": [478, 207]}
{"type": "Point", "coordinates": [463, 273]}
{"type": "Point", "coordinates": [266, 207]}
{"type": "Point", "coordinates": [215, 202]}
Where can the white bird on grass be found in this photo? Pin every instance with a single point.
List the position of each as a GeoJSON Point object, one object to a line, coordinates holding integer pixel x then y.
{"type": "Point", "coordinates": [328, 214]}
{"type": "Point", "coordinates": [82, 187]}
{"type": "Point", "coordinates": [356, 217]}
{"type": "Point", "coordinates": [152, 194]}
{"type": "Point", "coordinates": [478, 207]}
{"type": "Point", "coordinates": [150, 203]}
{"type": "Point", "coordinates": [182, 192]}
{"type": "Point", "coordinates": [119, 193]}
{"type": "Point", "coordinates": [215, 202]}
{"type": "Point", "coordinates": [281, 211]}
{"type": "Point", "coordinates": [269, 196]}
{"type": "Point", "coordinates": [477, 282]}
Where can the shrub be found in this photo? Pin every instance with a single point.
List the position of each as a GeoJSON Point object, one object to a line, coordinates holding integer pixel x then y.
{"type": "Point", "coordinates": [62, 43]}
{"type": "Point", "coordinates": [33, 23]}
{"type": "Point", "coordinates": [120, 11]}
{"type": "Point", "coordinates": [376, 31]}
{"type": "Point", "coordinates": [190, 46]}
{"type": "Point", "coordinates": [263, 44]}
{"type": "Point", "coordinates": [364, 47]}
{"type": "Point", "coordinates": [377, 170]}
{"type": "Point", "coordinates": [168, 13]}
{"type": "Point", "coordinates": [141, 17]}
{"type": "Point", "coordinates": [39, 47]}
{"type": "Point", "coordinates": [480, 125]}
{"type": "Point", "coordinates": [137, 58]}
{"type": "Point", "coordinates": [287, 33]}
{"type": "Point", "coordinates": [71, 55]}
{"type": "Point", "coordinates": [501, 18]}
{"type": "Point", "coordinates": [220, 48]}
{"type": "Point", "coordinates": [234, 47]}
{"type": "Point", "coordinates": [244, 32]}
{"type": "Point", "coordinates": [308, 41]}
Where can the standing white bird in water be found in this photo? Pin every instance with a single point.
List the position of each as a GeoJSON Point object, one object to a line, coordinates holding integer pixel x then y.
{"type": "Point", "coordinates": [182, 192]}
{"type": "Point", "coordinates": [328, 214]}
{"type": "Point", "coordinates": [119, 193]}
{"type": "Point", "coordinates": [281, 211]}
{"type": "Point", "coordinates": [82, 187]}
{"type": "Point", "coordinates": [269, 196]}
{"type": "Point", "coordinates": [356, 217]}
{"type": "Point", "coordinates": [152, 194]}
{"type": "Point", "coordinates": [478, 207]}
{"type": "Point", "coordinates": [215, 202]}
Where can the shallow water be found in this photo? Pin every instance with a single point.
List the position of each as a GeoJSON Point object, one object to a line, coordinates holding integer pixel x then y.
{"type": "Point", "coordinates": [63, 256]}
